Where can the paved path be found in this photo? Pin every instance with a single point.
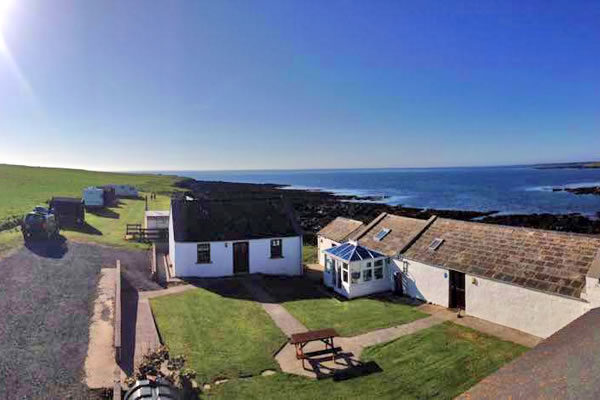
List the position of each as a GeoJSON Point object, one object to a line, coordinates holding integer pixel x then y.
{"type": "Point", "coordinates": [350, 348]}
{"type": "Point", "coordinates": [146, 335]}
{"type": "Point", "coordinates": [100, 364]}
{"type": "Point", "coordinates": [282, 318]}
{"type": "Point", "coordinates": [163, 292]}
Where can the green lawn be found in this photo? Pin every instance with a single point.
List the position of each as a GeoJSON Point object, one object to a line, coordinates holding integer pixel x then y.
{"type": "Point", "coordinates": [111, 229]}
{"type": "Point", "coordinates": [220, 336]}
{"type": "Point", "coordinates": [25, 187]}
{"type": "Point", "coordinates": [312, 306]}
{"type": "Point", "coordinates": [352, 317]}
{"type": "Point", "coordinates": [309, 254]}
{"type": "Point", "coordinates": [437, 363]}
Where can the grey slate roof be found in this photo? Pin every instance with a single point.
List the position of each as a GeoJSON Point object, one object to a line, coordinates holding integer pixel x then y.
{"type": "Point", "coordinates": [402, 230]}
{"type": "Point", "coordinates": [549, 261]}
{"type": "Point", "coordinates": [340, 229]}
{"type": "Point", "coordinates": [239, 219]}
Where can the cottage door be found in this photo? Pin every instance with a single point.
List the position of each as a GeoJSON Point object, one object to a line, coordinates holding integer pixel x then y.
{"type": "Point", "coordinates": [398, 290]}
{"type": "Point", "coordinates": [457, 290]}
{"type": "Point", "coordinates": [241, 261]}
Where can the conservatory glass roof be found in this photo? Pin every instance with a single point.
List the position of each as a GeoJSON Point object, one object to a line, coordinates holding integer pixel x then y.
{"type": "Point", "coordinates": [350, 251]}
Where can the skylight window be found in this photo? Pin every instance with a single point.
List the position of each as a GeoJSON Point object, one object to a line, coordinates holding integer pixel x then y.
{"type": "Point", "coordinates": [433, 246]}
{"type": "Point", "coordinates": [382, 233]}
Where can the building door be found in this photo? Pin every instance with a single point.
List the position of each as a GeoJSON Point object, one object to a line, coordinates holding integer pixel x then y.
{"type": "Point", "coordinates": [457, 290]}
{"type": "Point", "coordinates": [338, 278]}
{"type": "Point", "coordinates": [241, 260]}
{"type": "Point", "coordinates": [398, 290]}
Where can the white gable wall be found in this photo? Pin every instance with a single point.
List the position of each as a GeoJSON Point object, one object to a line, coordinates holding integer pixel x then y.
{"type": "Point", "coordinates": [524, 309]}
{"type": "Point", "coordinates": [323, 244]}
{"type": "Point", "coordinates": [221, 254]}
{"type": "Point", "coordinates": [424, 282]}
{"type": "Point", "coordinates": [171, 238]}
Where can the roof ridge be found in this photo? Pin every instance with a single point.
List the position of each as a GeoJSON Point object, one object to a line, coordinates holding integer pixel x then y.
{"type": "Point", "coordinates": [418, 234]}
{"type": "Point", "coordinates": [369, 226]}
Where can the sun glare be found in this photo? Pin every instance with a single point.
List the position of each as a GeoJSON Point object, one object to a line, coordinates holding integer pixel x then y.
{"type": "Point", "coordinates": [5, 6]}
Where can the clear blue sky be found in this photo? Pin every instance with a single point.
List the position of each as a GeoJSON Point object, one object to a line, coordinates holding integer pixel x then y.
{"type": "Point", "coordinates": [298, 84]}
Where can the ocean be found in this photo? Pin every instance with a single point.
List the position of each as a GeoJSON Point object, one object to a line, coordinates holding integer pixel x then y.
{"type": "Point", "coordinates": [507, 190]}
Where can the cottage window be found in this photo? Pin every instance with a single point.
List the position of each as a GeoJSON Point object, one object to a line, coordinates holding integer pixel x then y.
{"type": "Point", "coordinates": [203, 252]}
{"type": "Point", "coordinates": [378, 273]}
{"type": "Point", "coordinates": [355, 277]}
{"type": "Point", "coordinates": [378, 263]}
{"type": "Point", "coordinates": [276, 248]}
{"type": "Point", "coordinates": [345, 273]}
{"type": "Point", "coordinates": [367, 274]}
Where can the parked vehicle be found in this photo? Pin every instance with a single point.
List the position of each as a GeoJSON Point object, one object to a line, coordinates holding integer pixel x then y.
{"type": "Point", "coordinates": [93, 197]}
{"type": "Point", "coordinates": [39, 225]}
{"type": "Point", "coordinates": [124, 190]}
{"type": "Point", "coordinates": [69, 211]}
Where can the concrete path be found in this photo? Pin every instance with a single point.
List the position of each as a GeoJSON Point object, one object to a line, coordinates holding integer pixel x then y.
{"type": "Point", "coordinates": [146, 335]}
{"type": "Point", "coordinates": [163, 292]}
{"type": "Point", "coordinates": [100, 364]}
{"type": "Point", "coordinates": [282, 318]}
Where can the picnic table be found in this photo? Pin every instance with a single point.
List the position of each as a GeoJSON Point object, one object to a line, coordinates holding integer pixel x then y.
{"type": "Point", "coordinates": [300, 340]}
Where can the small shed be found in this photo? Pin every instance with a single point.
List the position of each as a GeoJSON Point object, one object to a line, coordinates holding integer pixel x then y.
{"type": "Point", "coordinates": [353, 270]}
{"type": "Point", "coordinates": [156, 220]}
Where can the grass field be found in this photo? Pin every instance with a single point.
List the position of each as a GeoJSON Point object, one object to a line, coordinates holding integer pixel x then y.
{"type": "Point", "coordinates": [220, 336]}
{"type": "Point", "coordinates": [22, 188]}
{"type": "Point", "coordinates": [437, 363]}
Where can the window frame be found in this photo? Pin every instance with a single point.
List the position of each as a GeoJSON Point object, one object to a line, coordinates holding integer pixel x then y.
{"type": "Point", "coordinates": [200, 260]}
{"type": "Point", "coordinates": [280, 247]}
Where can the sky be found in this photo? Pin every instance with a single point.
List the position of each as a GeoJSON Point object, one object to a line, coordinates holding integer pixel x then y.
{"type": "Point", "coordinates": [194, 85]}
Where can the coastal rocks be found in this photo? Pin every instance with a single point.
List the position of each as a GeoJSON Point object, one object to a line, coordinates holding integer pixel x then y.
{"type": "Point", "coordinates": [595, 190]}
{"type": "Point", "coordinates": [315, 209]}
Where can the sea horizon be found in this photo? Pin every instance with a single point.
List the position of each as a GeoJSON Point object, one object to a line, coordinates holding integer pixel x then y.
{"type": "Point", "coordinates": [516, 189]}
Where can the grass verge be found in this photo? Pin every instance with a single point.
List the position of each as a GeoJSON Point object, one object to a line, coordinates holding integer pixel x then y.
{"type": "Point", "coordinates": [309, 254]}
{"type": "Point", "coordinates": [221, 337]}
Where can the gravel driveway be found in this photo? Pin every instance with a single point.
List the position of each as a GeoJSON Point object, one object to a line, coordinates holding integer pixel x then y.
{"type": "Point", "coordinates": [46, 300]}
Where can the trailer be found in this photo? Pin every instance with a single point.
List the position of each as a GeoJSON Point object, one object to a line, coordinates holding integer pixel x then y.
{"type": "Point", "coordinates": [124, 190]}
{"type": "Point", "coordinates": [69, 211]}
{"type": "Point", "coordinates": [93, 197]}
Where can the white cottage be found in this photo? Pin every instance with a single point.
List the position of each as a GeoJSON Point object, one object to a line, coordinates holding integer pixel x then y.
{"type": "Point", "coordinates": [231, 237]}
{"type": "Point", "coordinates": [528, 279]}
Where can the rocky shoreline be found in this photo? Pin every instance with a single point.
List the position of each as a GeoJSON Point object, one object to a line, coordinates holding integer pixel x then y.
{"type": "Point", "coordinates": [315, 209]}
{"type": "Point", "coordinates": [595, 190]}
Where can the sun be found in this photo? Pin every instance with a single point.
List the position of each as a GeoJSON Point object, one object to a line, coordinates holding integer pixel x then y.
{"type": "Point", "coordinates": [5, 6]}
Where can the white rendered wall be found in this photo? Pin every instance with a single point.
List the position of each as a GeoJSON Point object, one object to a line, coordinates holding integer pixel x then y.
{"type": "Point", "coordinates": [157, 222]}
{"type": "Point", "coordinates": [323, 244]}
{"type": "Point", "coordinates": [424, 282]}
{"type": "Point", "coordinates": [171, 239]}
{"type": "Point", "coordinates": [527, 310]}
{"type": "Point", "coordinates": [289, 264]}
{"type": "Point", "coordinates": [221, 254]}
